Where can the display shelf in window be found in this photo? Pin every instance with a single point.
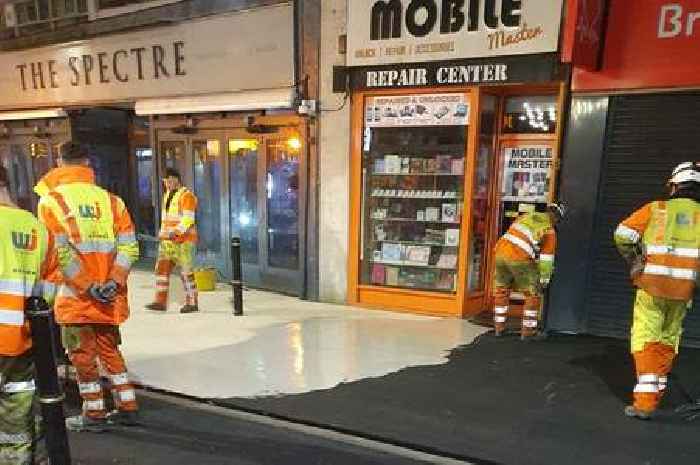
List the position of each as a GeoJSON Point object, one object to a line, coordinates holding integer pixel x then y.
{"type": "Point", "coordinates": [413, 167]}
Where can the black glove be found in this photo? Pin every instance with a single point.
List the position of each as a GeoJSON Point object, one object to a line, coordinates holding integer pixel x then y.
{"type": "Point", "coordinates": [109, 290]}
{"type": "Point", "coordinates": [637, 266]}
{"type": "Point", "coordinates": [95, 292]}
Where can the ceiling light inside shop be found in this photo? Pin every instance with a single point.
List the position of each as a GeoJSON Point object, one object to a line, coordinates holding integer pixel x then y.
{"type": "Point", "coordinates": [236, 145]}
{"type": "Point", "coordinates": [294, 143]}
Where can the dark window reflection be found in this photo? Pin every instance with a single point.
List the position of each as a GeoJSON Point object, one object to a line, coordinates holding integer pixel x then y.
{"type": "Point", "coordinates": [243, 177]}
{"type": "Point", "coordinates": [282, 206]}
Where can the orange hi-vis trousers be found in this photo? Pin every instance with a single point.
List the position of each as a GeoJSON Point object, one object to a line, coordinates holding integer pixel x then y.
{"type": "Point", "coordinates": [656, 333]}
{"type": "Point", "coordinates": [516, 276]}
{"type": "Point", "coordinates": [87, 343]}
{"type": "Point", "coordinates": [653, 364]}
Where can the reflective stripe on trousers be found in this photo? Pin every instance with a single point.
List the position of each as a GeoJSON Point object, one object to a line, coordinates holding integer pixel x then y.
{"type": "Point", "coordinates": [11, 317]}
{"type": "Point", "coordinates": [21, 386]}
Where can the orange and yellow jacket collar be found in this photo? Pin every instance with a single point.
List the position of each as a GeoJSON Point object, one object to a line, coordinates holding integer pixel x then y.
{"type": "Point", "coordinates": [64, 175]}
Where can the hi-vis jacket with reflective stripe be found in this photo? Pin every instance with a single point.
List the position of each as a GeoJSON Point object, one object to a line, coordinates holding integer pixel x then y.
{"type": "Point", "coordinates": [530, 238]}
{"type": "Point", "coordinates": [668, 234]}
{"type": "Point", "coordinates": [96, 242]}
{"type": "Point", "coordinates": [28, 267]}
{"type": "Point", "coordinates": [178, 216]}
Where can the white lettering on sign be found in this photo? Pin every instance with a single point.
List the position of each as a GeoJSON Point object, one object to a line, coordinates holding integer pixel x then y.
{"type": "Point", "coordinates": [672, 19]}
{"type": "Point", "coordinates": [410, 77]}
{"type": "Point", "coordinates": [395, 78]}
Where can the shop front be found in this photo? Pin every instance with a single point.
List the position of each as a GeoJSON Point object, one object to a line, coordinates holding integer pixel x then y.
{"type": "Point", "coordinates": [634, 113]}
{"type": "Point", "coordinates": [177, 96]}
{"type": "Point", "coordinates": [455, 131]}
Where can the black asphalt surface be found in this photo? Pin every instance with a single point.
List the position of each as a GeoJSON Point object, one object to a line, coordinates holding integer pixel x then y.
{"type": "Point", "coordinates": [176, 435]}
{"type": "Point", "coordinates": [557, 401]}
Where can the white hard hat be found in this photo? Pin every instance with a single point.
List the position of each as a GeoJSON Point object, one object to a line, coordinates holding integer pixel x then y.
{"type": "Point", "coordinates": [686, 172]}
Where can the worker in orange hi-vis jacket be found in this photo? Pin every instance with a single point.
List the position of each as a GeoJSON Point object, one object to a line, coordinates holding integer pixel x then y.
{"type": "Point", "coordinates": [28, 267]}
{"type": "Point", "coordinates": [525, 263]}
{"type": "Point", "coordinates": [97, 246]}
{"type": "Point", "coordinates": [661, 242]}
{"type": "Point", "coordinates": [178, 243]}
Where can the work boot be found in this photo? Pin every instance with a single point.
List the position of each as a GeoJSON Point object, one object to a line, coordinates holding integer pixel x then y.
{"type": "Point", "coordinates": [632, 412]}
{"type": "Point", "coordinates": [122, 418]}
{"type": "Point", "coordinates": [189, 309]}
{"type": "Point", "coordinates": [158, 307]}
{"type": "Point", "coordinates": [81, 423]}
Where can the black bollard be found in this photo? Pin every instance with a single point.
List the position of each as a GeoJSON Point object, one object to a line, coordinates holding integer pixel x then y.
{"type": "Point", "coordinates": [48, 386]}
{"type": "Point", "coordinates": [237, 281]}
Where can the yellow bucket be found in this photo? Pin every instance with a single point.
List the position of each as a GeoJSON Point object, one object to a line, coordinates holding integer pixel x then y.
{"type": "Point", "coordinates": [205, 279]}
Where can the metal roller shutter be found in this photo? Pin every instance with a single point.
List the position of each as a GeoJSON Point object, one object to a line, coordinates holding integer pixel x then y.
{"type": "Point", "coordinates": [647, 136]}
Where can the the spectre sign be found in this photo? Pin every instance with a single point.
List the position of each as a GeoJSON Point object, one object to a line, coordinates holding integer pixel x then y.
{"type": "Point", "coordinates": [398, 31]}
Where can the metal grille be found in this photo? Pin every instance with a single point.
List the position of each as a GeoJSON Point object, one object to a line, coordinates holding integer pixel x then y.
{"type": "Point", "coordinates": [647, 136]}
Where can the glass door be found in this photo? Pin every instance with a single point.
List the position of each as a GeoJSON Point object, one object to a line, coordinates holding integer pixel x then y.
{"type": "Point", "coordinates": [265, 202]}
{"type": "Point", "coordinates": [206, 150]}
{"type": "Point", "coordinates": [281, 240]}
{"type": "Point", "coordinates": [244, 203]}
{"type": "Point", "coordinates": [27, 160]}
{"type": "Point", "coordinates": [247, 186]}
{"type": "Point", "coordinates": [198, 159]}
{"type": "Point", "coordinates": [481, 197]}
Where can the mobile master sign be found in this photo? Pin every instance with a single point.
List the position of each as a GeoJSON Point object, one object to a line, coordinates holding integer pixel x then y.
{"type": "Point", "coordinates": [402, 31]}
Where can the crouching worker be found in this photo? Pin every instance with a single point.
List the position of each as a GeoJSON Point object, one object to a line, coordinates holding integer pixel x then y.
{"type": "Point", "coordinates": [525, 263]}
{"type": "Point", "coordinates": [28, 265]}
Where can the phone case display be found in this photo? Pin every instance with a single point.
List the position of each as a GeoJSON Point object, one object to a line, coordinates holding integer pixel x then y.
{"type": "Point", "coordinates": [413, 178]}
{"type": "Point", "coordinates": [527, 170]}
{"type": "Point", "coordinates": [526, 173]}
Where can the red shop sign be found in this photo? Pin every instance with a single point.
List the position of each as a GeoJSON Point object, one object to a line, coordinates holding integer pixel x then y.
{"type": "Point", "coordinates": [648, 44]}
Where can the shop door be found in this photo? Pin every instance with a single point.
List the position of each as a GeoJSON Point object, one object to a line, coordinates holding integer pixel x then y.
{"type": "Point", "coordinates": [266, 206]}
{"type": "Point", "coordinates": [648, 135]}
{"type": "Point", "coordinates": [248, 187]}
{"type": "Point", "coordinates": [198, 159]}
{"type": "Point", "coordinates": [27, 159]}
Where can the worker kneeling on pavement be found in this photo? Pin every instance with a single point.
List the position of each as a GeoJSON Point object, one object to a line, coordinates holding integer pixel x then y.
{"type": "Point", "coordinates": [97, 246]}
{"type": "Point", "coordinates": [661, 242]}
{"type": "Point", "coordinates": [178, 243]}
{"type": "Point", "coordinates": [525, 263]}
{"type": "Point", "coordinates": [28, 265]}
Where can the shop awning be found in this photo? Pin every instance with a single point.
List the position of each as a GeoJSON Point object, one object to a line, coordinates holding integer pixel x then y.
{"type": "Point", "coordinates": [32, 114]}
{"type": "Point", "coordinates": [234, 101]}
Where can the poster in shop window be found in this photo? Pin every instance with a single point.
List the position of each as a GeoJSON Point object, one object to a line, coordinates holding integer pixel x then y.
{"type": "Point", "coordinates": [417, 110]}
{"type": "Point", "coordinates": [526, 173]}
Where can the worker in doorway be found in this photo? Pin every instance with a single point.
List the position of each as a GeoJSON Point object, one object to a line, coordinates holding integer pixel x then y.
{"type": "Point", "coordinates": [525, 263]}
{"type": "Point", "coordinates": [97, 246]}
{"type": "Point", "coordinates": [661, 242]}
{"type": "Point", "coordinates": [178, 243]}
{"type": "Point", "coordinates": [28, 265]}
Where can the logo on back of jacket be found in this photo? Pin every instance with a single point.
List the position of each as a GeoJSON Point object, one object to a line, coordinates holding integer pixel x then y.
{"type": "Point", "coordinates": [23, 241]}
{"type": "Point", "coordinates": [90, 212]}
